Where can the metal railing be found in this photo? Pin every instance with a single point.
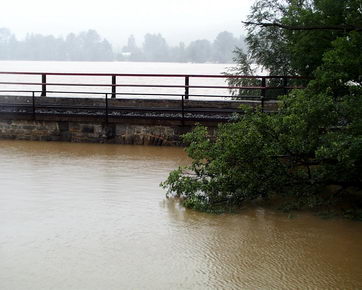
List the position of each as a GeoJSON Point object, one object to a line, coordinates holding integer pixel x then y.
{"type": "Point", "coordinates": [183, 88]}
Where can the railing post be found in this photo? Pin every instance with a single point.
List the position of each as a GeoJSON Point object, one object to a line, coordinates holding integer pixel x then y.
{"type": "Point", "coordinates": [106, 108]}
{"type": "Point", "coordinates": [187, 83]}
{"type": "Point", "coordinates": [285, 84]}
{"type": "Point", "coordinates": [183, 110]}
{"type": "Point", "coordinates": [33, 107]}
{"type": "Point", "coordinates": [263, 93]}
{"type": "Point", "coordinates": [43, 86]}
{"type": "Point", "coordinates": [113, 87]}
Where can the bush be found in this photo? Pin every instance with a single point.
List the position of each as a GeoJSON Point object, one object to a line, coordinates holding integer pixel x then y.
{"type": "Point", "coordinates": [309, 144]}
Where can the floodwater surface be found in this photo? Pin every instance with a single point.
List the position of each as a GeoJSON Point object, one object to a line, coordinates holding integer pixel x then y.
{"type": "Point", "coordinates": [91, 216]}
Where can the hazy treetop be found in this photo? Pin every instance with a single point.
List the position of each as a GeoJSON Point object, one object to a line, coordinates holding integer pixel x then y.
{"type": "Point", "coordinates": [115, 20]}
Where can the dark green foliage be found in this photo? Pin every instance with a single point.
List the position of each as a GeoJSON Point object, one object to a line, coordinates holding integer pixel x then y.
{"type": "Point", "coordinates": [295, 153]}
{"type": "Point", "coordinates": [294, 51]}
{"type": "Point", "coordinates": [223, 169]}
{"type": "Point", "coordinates": [298, 51]}
{"type": "Point", "coordinates": [312, 144]}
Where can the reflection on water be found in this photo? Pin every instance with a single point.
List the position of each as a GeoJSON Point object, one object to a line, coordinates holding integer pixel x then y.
{"type": "Point", "coordinates": [87, 216]}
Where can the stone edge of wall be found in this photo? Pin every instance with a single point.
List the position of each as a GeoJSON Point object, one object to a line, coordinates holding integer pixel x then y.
{"type": "Point", "coordinates": [95, 130]}
{"type": "Point", "coordinates": [91, 132]}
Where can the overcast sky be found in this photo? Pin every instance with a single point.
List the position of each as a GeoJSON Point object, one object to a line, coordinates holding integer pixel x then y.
{"type": "Point", "coordinates": [182, 20]}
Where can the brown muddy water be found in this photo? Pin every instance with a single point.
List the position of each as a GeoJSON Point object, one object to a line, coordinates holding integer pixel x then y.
{"type": "Point", "coordinates": [90, 216]}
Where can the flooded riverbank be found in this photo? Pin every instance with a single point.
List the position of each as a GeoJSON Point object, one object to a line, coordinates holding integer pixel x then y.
{"type": "Point", "coordinates": [91, 216]}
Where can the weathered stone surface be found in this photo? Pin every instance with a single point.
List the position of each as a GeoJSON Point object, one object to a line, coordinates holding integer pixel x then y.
{"type": "Point", "coordinates": [93, 128]}
{"type": "Point", "coordinates": [156, 135]}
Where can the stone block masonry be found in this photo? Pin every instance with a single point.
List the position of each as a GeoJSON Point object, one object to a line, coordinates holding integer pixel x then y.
{"type": "Point", "coordinates": [119, 133]}
{"type": "Point", "coordinates": [58, 119]}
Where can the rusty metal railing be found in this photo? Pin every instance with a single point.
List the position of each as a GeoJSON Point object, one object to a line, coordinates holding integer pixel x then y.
{"type": "Point", "coordinates": [115, 85]}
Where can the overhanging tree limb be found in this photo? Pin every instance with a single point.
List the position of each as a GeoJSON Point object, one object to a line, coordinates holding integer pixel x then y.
{"type": "Point", "coordinates": [342, 27]}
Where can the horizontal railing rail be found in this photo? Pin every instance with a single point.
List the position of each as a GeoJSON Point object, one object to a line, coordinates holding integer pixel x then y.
{"type": "Point", "coordinates": [156, 75]}
{"type": "Point", "coordinates": [260, 88]}
{"type": "Point", "coordinates": [151, 86]}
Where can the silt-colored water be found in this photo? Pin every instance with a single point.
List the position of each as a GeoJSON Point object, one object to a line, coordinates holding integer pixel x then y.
{"type": "Point", "coordinates": [91, 216]}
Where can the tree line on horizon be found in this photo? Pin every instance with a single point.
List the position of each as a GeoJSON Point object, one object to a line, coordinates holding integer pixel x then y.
{"type": "Point", "coordinates": [90, 46]}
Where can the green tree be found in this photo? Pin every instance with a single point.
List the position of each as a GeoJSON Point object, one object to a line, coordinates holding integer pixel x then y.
{"type": "Point", "coordinates": [155, 48]}
{"type": "Point", "coordinates": [312, 142]}
{"type": "Point", "coordinates": [224, 45]}
{"type": "Point", "coordinates": [290, 37]}
{"type": "Point", "coordinates": [178, 53]}
{"type": "Point", "coordinates": [199, 51]}
{"type": "Point", "coordinates": [6, 39]}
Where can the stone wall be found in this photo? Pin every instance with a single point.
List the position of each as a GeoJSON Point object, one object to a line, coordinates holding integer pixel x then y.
{"type": "Point", "coordinates": [95, 128]}
{"type": "Point", "coordinates": [93, 132]}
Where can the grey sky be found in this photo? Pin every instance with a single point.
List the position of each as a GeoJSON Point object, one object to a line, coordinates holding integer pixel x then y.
{"type": "Point", "coordinates": [116, 19]}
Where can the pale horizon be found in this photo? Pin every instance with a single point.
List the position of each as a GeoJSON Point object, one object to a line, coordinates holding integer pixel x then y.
{"type": "Point", "coordinates": [115, 20]}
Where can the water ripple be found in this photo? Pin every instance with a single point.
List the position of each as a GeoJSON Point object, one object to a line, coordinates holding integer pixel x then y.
{"type": "Point", "coordinates": [87, 216]}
